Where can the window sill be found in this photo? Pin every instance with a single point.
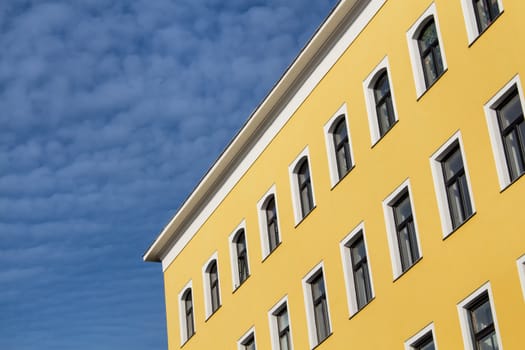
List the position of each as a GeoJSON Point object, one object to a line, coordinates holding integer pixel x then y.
{"type": "Point", "coordinates": [322, 341]}
{"type": "Point", "coordinates": [213, 313]}
{"type": "Point", "coordinates": [386, 132]}
{"type": "Point", "coordinates": [342, 178]}
{"type": "Point", "coordinates": [511, 183]}
{"type": "Point", "coordinates": [408, 269]}
{"type": "Point", "coordinates": [241, 284]}
{"type": "Point", "coordinates": [484, 30]}
{"type": "Point", "coordinates": [187, 340]}
{"type": "Point", "coordinates": [420, 96]}
{"type": "Point", "coordinates": [361, 309]}
{"type": "Point", "coordinates": [461, 225]}
{"type": "Point", "coordinates": [271, 253]}
{"type": "Point", "coordinates": [304, 217]}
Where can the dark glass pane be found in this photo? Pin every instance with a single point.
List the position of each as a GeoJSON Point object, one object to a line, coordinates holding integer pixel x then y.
{"type": "Point", "coordinates": [340, 133]}
{"type": "Point", "coordinates": [404, 248]}
{"type": "Point", "coordinates": [481, 316]}
{"type": "Point", "coordinates": [361, 281]}
{"type": "Point", "coordinates": [383, 117]}
{"type": "Point", "coordinates": [438, 59]}
{"type": "Point", "coordinates": [358, 250]}
{"type": "Point", "coordinates": [510, 111]}
{"type": "Point", "coordinates": [305, 200]}
{"type": "Point", "coordinates": [494, 9]}
{"type": "Point", "coordinates": [249, 344]}
{"type": "Point", "coordinates": [453, 164]}
{"type": "Point", "coordinates": [465, 198]}
{"type": "Point", "coordinates": [318, 288]}
{"type": "Point", "coordinates": [454, 198]}
{"type": "Point", "coordinates": [382, 87]}
{"type": "Point", "coordinates": [429, 68]}
{"type": "Point", "coordinates": [428, 36]}
{"type": "Point", "coordinates": [402, 209]}
{"type": "Point", "coordinates": [482, 14]}
{"type": "Point", "coordinates": [282, 320]}
{"type": "Point", "coordinates": [284, 342]}
{"type": "Point", "coordinates": [321, 320]}
{"type": "Point", "coordinates": [488, 343]}
{"type": "Point", "coordinates": [303, 173]}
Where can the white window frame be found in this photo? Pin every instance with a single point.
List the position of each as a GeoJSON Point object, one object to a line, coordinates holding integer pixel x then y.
{"type": "Point", "coordinates": [494, 130]}
{"type": "Point", "coordinates": [296, 199]}
{"type": "Point", "coordinates": [308, 302]}
{"type": "Point", "coordinates": [263, 228]}
{"type": "Point", "coordinates": [463, 310]}
{"type": "Point", "coordinates": [521, 272]}
{"type": "Point", "coordinates": [249, 333]}
{"type": "Point", "coordinates": [368, 88]}
{"type": "Point", "coordinates": [207, 287]}
{"type": "Point", "coordinates": [470, 19]}
{"type": "Point", "coordinates": [439, 183]}
{"type": "Point", "coordinates": [390, 223]}
{"type": "Point", "coordinates": [411, 343]}
{"type": "Point", "coordinates": [351, 293]}
{"type": "Point", "coordinates": [233, 254]}
{"type": "Point", "coordinates": [182, 314]}
{"type": "Point", "coordinates": [413, 48]}
{"type": "Point", "coordinates": [328, 129]}
{"type": "Point", "coordinates": [274, 328]}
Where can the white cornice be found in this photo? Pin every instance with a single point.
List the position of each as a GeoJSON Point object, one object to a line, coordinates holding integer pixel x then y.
{"type": "Point", "coordinates": [333, 37]}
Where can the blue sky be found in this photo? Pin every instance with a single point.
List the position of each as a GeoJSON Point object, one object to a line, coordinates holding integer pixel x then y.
{"type": "Point", "coordinates": [110, 112]}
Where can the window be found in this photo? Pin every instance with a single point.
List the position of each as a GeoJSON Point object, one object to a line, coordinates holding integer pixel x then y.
{"type": "Point", "coordinates": [478, 321]}
{"type": "Point", "coordinates": [506, 125]}
{"type": "Point", "coordinates": [242, 256]}
{"type": "Point", "coordinates": [401, 229]}
{"type": "Point", "coordinates": [456, 186]}
{"type": "Point", "coordinates": [280, 327]}
{"type": "Point", "coordinates": [239, 256]}
{"type": "Point", "coordinates": [338, 146]}
{"type": "Point", "coordinates": [247, 342]}
{"type": "Point", "coordinates": [380, 102]}
{"type": "Point", "coordinates": [302, 187]}
{"type": "Point", "coordinates": [521, 272]}
{"type": "Point", "coordinates": [426, 50]}
{"type": "Point", "coordinates": [269, 222]}
{"type": "Point", "coordinates": [423, 340]}
{"type": "Point", "coordinates": [317, 307]}
{"type": "Point", "coordinates": [305, 187]}
{"type": "Point", "coordinates": [357, 270]}
{"type": "Point", "coordinates": [452, 184]}
{"type": "Point", "coordinates": [430, 53]}
{"type": "Point", "coordinates": [479, 15]}
{"type": "Point", "coordinates": [187, 324]}
{"type": "Point", "coordinates": [211, 286]}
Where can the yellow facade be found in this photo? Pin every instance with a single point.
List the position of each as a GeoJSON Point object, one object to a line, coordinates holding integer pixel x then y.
{"type": "Point", "coordinates": [483, 249]}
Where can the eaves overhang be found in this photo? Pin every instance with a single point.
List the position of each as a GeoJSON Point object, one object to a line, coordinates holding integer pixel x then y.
{"type": "Point", "coordinates": [214, 177]}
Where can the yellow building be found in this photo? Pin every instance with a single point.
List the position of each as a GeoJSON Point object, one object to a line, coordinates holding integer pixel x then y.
{"type": "Point", "coordinates": [374, 198]}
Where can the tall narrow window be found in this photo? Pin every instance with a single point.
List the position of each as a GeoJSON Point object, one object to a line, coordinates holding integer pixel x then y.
{"type": "Point", "coordinates": [342, 148]}
{"type": "Point", "coordinates": [360, 272]}
{"type": "Point", "coordinates": [272, 228]}
{"type": "Point", "coordinates": [283, 328]}
{"type": "Point", "coordinates": [383, 103]}
{"type": "Point", "coordinates": [214, 286]}
{"type": "Point", "coordinates": [305, 188]}
{"type": "Point", "coordinates": [247, 342]}
{"type": "Point", "coordinates": [456, 186]}
{"type": "Point", "coordinates": [242, 256]}
{"type": "Point", "coordinates": [424, 340]}
{"type": "Point", "coordinates": [478, 320]}
{"type": "Point", "coordinates": [405, 231]}
{"type": "Point", "coordinates": [430, 53]}
{"type": "Point", "coordinates": [482, 324]}
{"type": "Point", "coordinates": [486, 12]}
{"type": "Point", "coordinates": [512, 131]}
{"type": "Point", "coordinates": [320, 307]}
{"type": "Point", "coordinates": [188, 313]}
{"type": "Point", "coordinates": [426, 343]}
